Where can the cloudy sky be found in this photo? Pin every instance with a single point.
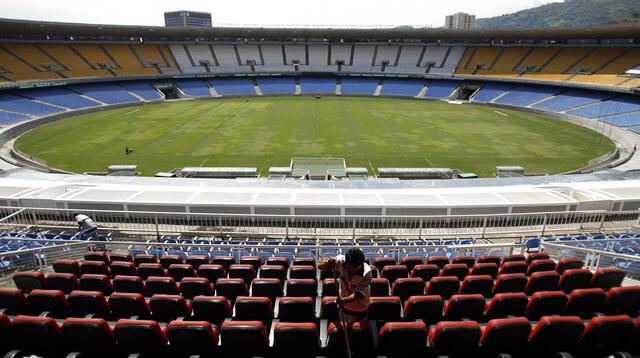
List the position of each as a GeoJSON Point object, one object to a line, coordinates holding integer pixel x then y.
{"type": "Point", "coordinates": [269, 12]}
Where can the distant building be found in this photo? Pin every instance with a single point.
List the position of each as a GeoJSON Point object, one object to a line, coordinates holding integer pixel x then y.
{"type": "Point", "coordinates": [460, 21]}
{"type": "Point", "coordinates": [185, 18]}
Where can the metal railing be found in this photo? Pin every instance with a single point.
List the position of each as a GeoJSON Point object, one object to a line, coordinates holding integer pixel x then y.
{"type": "Point", "coordinates": [147, 225]}
{"type": "Point", "coordinates": [595, 259]}
{"type": "Point", "coordinates": [38, 258]}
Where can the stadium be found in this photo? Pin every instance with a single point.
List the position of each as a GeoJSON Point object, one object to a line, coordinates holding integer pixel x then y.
{"type": "Point", "coordinates": [490, 177]}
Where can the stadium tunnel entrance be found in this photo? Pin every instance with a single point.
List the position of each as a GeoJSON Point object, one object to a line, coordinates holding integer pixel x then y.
{"type": "Point", "coordinates": [466, 91]}
{"type": "Point", "coordinates": [169, 90]}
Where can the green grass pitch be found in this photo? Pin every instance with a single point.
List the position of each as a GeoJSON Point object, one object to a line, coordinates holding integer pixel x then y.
{"type": "Point", "coordinates": [264, 132]}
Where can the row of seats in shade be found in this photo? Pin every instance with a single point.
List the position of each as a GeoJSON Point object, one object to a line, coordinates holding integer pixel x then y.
{"type": "Point", "coordinates": [516, 336]}
{"type": "Point", "coordinates": [306, 268]}
{"type": "Point", "coordinates": [271, 287]}
{"type": "Point", "coordinates": [214, 309]}
{"type": "Point", "coordinates": [256, 261]}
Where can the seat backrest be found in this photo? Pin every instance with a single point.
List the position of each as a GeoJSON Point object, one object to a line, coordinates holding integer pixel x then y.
{"type": "Point", "coordinates": [427, 308]}
{"type": "Point", "coordinates": [196, 260]}
{"type": "Point", "coordinates": [301, 287]}
{"type": "Point", "coordinates": [569, 264]}
{"type": "Point", "coordinates": [411, 262]}
{"type": "Point", "coordinates": [513, 258]}
{"type": "Point", "coordinates": [192, 337]}
{"type": "Point", "coordinates": [572, 279]}
{"type": "Point", "coordinates": [495, 259]}
{"type": "Point", "coordinates": [289, 338]}
{"type": "Point", "coordinates": [88, 335]}
{"type": "Point", "coordinates": [282, 261]}
{"type": "Point", "coordinates": [444, 286]}
{"type": "Point", "coordinates": [89, 302]}
{"type": "Point", "coordinates": [381, 262]}
{"type": "Point", "coordinates": [266, 287]}
{"type": "Point", "coordinates": [623, 300]}
{"type": "Point", "coordinates": [410, 338]}
{"type": "Point", "coordinates": [97, 256]}
{"type": "Point", "coordinates": [537, 256]}
{"type": "Point", "coordinates": [180, 271]}
{"type": "Point", "coordinates": [140, 336]}
{"type": "Point", "coordinates": [541, 265]}
{"type": "Point", "coordinates": [585, 301]}
{"type": "Point", "coordinates": [460, 307]}
{"type": "Point", "coordinates": [213, 309]}
{"type": "Point", "coordinates": [454, 337]}
{"type": "Point", "coordinates": [65, 282]}
{"type": "Point", "coordinates": [254, 309]}
{"type": "Point", "coordinates": [513, 282]}
{"type": "Point", "coordinates": [145, 259]}
{"type": "Point", "coordinates": [14, 301]}
{"type": "Point", "coordinates": [254, 261]}
{"type": "Point", "coordinates": [165, 308]}
{"type": "Point", "coordinates": [129, 284]}
{"type": "Point", "coordinates": [407, 287]}
{"type": "Point", "coordinates": [67, 266]}
{"type": "Point", "coordinates": [244, 338]}
{"type": "Point", "coordinates": [299, 271]}
{"type": "Point", "coordinates": [27, 281]}
{"type": "Point", "coordinates": [386, 309]}
{"type": "Point", "coordinates": [553, 333]}
{"type": "Point", "coordinates": [393, 272]}
{"type": "Point", "coordinates": [168, 260]}
{"type": "Point", "coordinates": [329, 287]}
{"type": "Point", "coordinates": [127, 305]}
{"type": "Point", "coordinates": [272, 271]}
{"type": "Point", "coordinates": [212, 272]}
{"type": "Point", "coordinates": [123, 268]}
{"type": "Point", "coordinates": [191, 287]}
{"type": "Point", "coordinates": [224, 261]}
{"type": "Point", "coordinates": [485, 268]}
{"type": "Point", "coordinates": [505, 335]}
{"type": "Point", "coordinates": [458, 270]}
{"type": "Point", "coordinates": [162, 285]}
{"type": "Point", "coordinates": [482, 284]}
{"type": "Point", "coordinates": [513, 267]}
{"type": "Point", "coordinates": [95, 282]}
{"type": "Point", "coordinates": [425, 272]}
{"type": "Point", "coordinates": [379, 286]}
{"type": "Point", "coordinates": [607, 278]}
{"type": "Point", "coordinates": [296, 309]}
{"type": "Point", "coordinates": [467, 260]}
{"type": "Point", "coordinates": [329, 308]}
{"type": "Point", "coordinates": [231, 288]}
{"type": "Point", "coordinates": [53, 301]}
{"type": "Point", "coordinates": [507, 304]}
{"type": "Point", "coordinates": [546, 303]}
{"type": "Point", "coordinates": [439, 261]}
{"type": "Point", "coordinates": [542, 281]}
{"type": "Point", "coordinates": [95, 267]}
{"type": "Point", "coordinates": [37, 334]}
{"type": "Point", "coordinates": [120, 256]}
{"type": "Point", "coordinates": [148, 269]}
{"type": "Point", "coordinates": [606, 334]}
{"type": "Point", "coordinates": [243, 271]}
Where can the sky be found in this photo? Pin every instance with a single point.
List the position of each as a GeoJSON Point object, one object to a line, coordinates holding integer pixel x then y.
{"type": "Point", "coordinates": [362, 13]}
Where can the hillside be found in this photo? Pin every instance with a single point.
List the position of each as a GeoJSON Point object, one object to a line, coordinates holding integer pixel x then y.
{"type": "Point", "coordinates": [577, 13]}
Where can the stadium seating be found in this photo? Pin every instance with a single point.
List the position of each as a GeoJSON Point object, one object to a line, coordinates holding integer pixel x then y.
{"type": "Point", "coordinates": [232, 86]}
{"type": "Point", "coordinates": [194, 87]}
{"type": "Point", "coordinates": [612, 106]}
{"type": "Point", "coordinates": [276, 84]}
{"type": "Point", "coordinates": [143, 89]}
{"type": "Point", "coordinates": [400, 87]}
{"type": "Point", "coordinates": [309, 84]}
{"type": "Point", "coordinates": [106, 92]}
{"type": "Point", "coordinates": [522, 96]}
{"type": "Point", "coordinates": [441, 89]}
{"type": "Point", "coordinates": [364, 85]}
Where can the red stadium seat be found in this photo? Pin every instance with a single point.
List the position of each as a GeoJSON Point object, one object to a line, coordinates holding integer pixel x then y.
{"type": "Point", "coordinates": [541, 265]}
{"type": "Point", "coordinates": [623, 300]}
{"type": "Point", "coordinates": [470, 261]}
{"type": "Point", "coordinates": [272, 271]}
{"type": "Point", "coordinates": [245, 272]}
{"type": "Point", "coordinates": [212, 272]}
{"type": "Point", "coordinates": [603, 336]}
{"type": "Point", "coordinates": [439, 261]}
{"type": "Point", "coordinates": [249, 308]}
{"type": "Point", "coordinates": [359, 335]}
{"type": "Point", "coordinates": [27, 281]}
{"type": "Point", "coordinates": [145, 259]}
{"type": "Point", "coordinates": [52, 301]}
{"type": "Point", "coordinates": [282, 261]}
{"type": "Point", "coordinates": [37, 335]}
{"type": "Point", "coordinates": [193, 338]}
{"type": "Point", "coordinates": [89, 302]}
{"type": "Point", "coordinates": [97, 256]}
{"type": "Point", "coordinates": [513, 267]}
{"type": "Point", "coordinates": [458, 270]}
{"type": "Point", "coordinates": [67, 266]}
{"type": "Point", "coordinates": [425, 272]}
{"type": "Point", "coordinates": [224, 261]}
{"type": "Point", "coordinates": [127, 305]}
{"type": "Point", "coordinates": [569, 264]}
{"type": "Point", "coordinates": [14, 301]}
{"type": "Point", "coordinates": [507, 304]}
{"type": "Point", "coordinates": [180, 271]}
{"type": "Point", "coordinates": [302, 271]}
{"type": "Point", "coordinates": [191, 287]}
{"type": "Point", "coordinates": [444, 286]}
{"type": "Point", "coordinates": [552, 334]}
{"type": "Point", "coordinates": [542, 281]}
{"type": "Point", "coordinates": [147, 270]}
{"type": "Point", "coordinates": [537, 256]}
{"type": "Point", "coordinates": [162, 285]}
{"type": "Point", "coordinates": [296, 309]}
{"type": "Point", "coordinates": [381, 262]}
{"type": "Point", "coordinates": [165, 308]}
{"type": "Point", "coordinates": [91, 336]}
{"type": "Point", "coordinates": [411, 262]}
{"type": "Point", "coordinates": [407, 287]}
{"type": "Point", "coordinates": [380, 287]}
{"type": "Point", "coordinates": [410, 338]}
{"type": "Point", "coordinates": [168, 260]}
{"type": "Point", "coordinates": [513, 258]}
{"type": "Point", "coordinates": [254, 261]}
{"type": "Point", "coordinates": [91, 282]}
{"type": "Point", "coordinates": [585, 302]}
{"type": "Point", "coordinates": [65, 282]}
{"type": "Point", "coordinates": [385, 309]}
{"type": "Point", "coordinates": [575, 278]}
{"type": "Point", "coordinates": [95, 267]}
{"type": "Point", "coordinates": [231, 288]}
{"type": "Point", "coordinates": [129, 284]}
{"type": "Point", "coordinates": [513, 282]}
{"type": "Point", "coordinates": [482, 284]}
{"type": "Point", "coordinates": [486, 268]}
{"type": "Point", "coordinates": [427, 308]}
{"type": "Point", "coordinates": [289, 338]}
{"type": "Point", "coordinates": [460, 307]}
{"type": "Point", "coordinates": [454, 338]}
{"type": "Point", "coordinates": [505, 335]}
{"type": "Point", "coordinates": [120, 256]}
{"type": "Point", "coordinates": [492, 259]}
{"type": "Point", "coordinates": [607, 278]}
{"type": "Point", "coordinates": [394, 272]}
{"type": "Point", "coordinates": [301, 287]}
{"type": "Point", "coordinates": [213, 309]}
{"type": "Point", "coordinates": [244, 338]}
{"type": "Point", "coordinates": [124, 268]}
{"type": "Point", "coordinates": [547, 303]}
{"type": "Point", "coordinates": [196, 261]}
{"type": "Point", "coordinates": [267, 287]}
{"type": "Point", "coordinates": [141, 337]}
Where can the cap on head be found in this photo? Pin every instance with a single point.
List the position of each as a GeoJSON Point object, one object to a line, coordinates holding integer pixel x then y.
{"type": "Point", "coordinates": [354, 257]}
{"type": "Point", "coordinates": [75, 213]}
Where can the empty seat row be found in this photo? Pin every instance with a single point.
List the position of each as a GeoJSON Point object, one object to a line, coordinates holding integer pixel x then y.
{"type": "Point", "coordinates": [550, 335]}
{"type": "Point", "coordinates": [178, 271]}
{"type": "Point", "coordinates": [214, 309]}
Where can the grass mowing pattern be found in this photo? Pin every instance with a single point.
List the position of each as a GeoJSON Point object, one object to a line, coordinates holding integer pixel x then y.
{"type": "Point", "coordinates": [264, 132]}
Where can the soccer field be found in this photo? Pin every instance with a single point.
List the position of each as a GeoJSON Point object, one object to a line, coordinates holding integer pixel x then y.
{"type": "Point", "coordinates": [265, 132]}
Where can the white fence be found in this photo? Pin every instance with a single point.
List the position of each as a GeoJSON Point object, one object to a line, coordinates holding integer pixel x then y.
{"type": "Point", "coordinates": [145, 225]}
{"type": "Point", "coordinates": [595, 259]}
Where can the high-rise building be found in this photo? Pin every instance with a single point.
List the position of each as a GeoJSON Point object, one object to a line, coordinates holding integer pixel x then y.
{"type": "Point", "coordinates": [185, 18]}
{"type": "Point", "coordinates": [460, 20]}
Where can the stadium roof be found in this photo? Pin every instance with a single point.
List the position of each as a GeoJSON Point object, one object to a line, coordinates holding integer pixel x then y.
{"type": "Point", "coordinates": [27, 27]}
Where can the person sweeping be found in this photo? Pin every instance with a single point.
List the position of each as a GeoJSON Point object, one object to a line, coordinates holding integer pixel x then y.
{"type": "Point", "coordinates": [355, 284]}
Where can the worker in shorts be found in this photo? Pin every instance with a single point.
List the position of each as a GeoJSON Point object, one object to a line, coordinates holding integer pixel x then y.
{"type": "Point", "coordinates": [355, 284]}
